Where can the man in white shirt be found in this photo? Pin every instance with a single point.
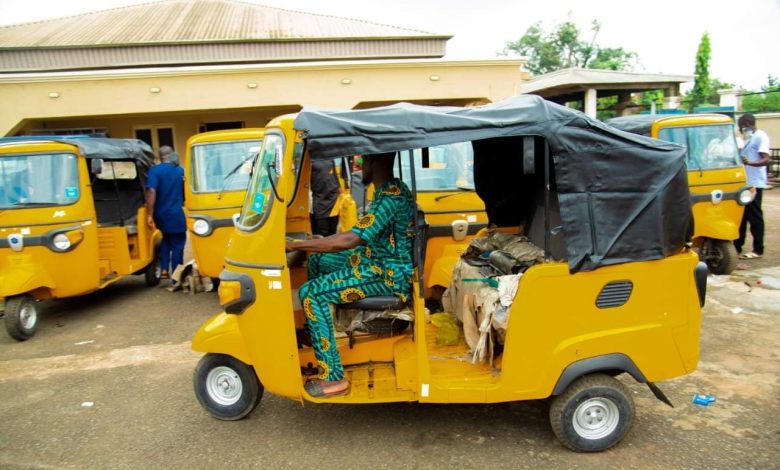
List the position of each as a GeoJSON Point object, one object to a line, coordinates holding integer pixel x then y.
{"type": "Point", "coordinates": [755, 157]}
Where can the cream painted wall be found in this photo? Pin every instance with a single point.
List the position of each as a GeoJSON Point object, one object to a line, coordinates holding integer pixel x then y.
{"type": "Point", "coordinates": [184, 125]}
{"type": "Point", "coordinates": [770, 123]}
{"type": "Point", "coordinates": [123, 99]}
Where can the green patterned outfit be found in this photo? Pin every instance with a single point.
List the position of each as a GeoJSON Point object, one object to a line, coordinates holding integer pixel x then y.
{"type": "Point", "coordinates": [382, 267]}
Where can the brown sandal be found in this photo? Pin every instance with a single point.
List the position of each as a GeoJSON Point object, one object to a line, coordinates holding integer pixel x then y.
{"type": "Point", "coordinates": [318, 388]}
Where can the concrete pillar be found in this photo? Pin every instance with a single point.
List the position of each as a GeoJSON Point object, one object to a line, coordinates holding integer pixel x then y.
{"type": "Point", "coordinates": [624, 106]}
{"type": "Point", "coordinates": [590, 103]}
{"type": "Point", "coordinates": [672, 97]}
{"type": "Point", "coordinates": [731, 98]}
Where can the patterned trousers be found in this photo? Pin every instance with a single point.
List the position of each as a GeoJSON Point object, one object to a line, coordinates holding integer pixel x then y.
{"type": "Point", "coordinates": [336, 278]}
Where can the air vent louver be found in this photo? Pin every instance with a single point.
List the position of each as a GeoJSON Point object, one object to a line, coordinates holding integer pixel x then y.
{"type": "Point", "coordinates": [614, 294]}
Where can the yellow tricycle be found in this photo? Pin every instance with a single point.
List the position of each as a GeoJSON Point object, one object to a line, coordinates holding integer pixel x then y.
{"type": "Point", "coordinates": [717, 178]}
{"type": "Point", "coordinates": [72, 221]}
{"type": "Point", "coordinates": [615, 287]}
{"type": "Point", "coordinates": [216, 171]}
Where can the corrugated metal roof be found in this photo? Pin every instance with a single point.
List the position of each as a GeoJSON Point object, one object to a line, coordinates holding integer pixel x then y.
{"type": "Point", "coordinates": [194, 21]}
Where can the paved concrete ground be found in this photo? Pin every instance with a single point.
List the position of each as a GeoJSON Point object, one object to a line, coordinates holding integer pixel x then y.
{"type": "Point", "coordinates": [125, 351]}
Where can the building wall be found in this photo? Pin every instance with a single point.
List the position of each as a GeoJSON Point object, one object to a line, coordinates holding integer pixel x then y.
{"type": "Point", "coordinates": [770, 123]}
{"type": "Point", "coordinates": [183, 125]}
{"type": "Point", "coordinates": [120, 100]}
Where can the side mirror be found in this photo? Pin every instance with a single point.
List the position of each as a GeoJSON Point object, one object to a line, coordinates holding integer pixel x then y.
{"type": "Point", "coordinates": [96, 166]}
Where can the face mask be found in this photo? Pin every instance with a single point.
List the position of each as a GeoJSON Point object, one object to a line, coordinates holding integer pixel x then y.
{"type": "Point", "coordinates": [747, 133]}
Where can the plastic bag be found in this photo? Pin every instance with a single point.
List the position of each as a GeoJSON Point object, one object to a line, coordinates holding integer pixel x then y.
{"type": "Point", "coordinates": [448, 332]}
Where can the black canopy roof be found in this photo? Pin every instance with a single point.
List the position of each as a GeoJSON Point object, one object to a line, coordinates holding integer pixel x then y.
{"type": "Point", "coordinates": [623, 197]}
{"type": "Point", "coordinates": [640, 124]}
{"type": "Point", "coordinates": [115, 149]}
{"type": "Point", "coordinates": [98, 147]}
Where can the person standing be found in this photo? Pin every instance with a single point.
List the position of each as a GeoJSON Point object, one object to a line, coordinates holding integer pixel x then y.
{"type": "Point", "coordinates": [755, 157]}
{"type": "Point", "coordinates": [164, 201]}
{"type": "Point", "coordinates": [325, 190]}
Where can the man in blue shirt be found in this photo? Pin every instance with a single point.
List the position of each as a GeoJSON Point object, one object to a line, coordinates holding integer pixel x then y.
{"type": "Point", "coordinates": [164, 201]}
{"type": "Point", "coordinates": [755, 157]}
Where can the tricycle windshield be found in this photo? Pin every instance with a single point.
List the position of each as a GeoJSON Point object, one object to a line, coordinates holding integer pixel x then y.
{"type": "Point", "coordinates": [709, 147]}
{"type": "Point", "coordinates": [451, 167]}
{"type": "Point", "coordinates": [38, 180]}
{"type": "Point", "coordinates": [222, 166]}
{"type": "Point", "coordinates": [265, 175]}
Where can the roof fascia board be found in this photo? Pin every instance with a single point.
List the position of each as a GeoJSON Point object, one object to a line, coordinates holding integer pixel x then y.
{"type": "Point", "coordinates": [114, 74]}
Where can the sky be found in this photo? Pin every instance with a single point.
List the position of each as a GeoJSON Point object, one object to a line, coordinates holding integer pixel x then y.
{"type": "Point", "coordinates": [663, 33]}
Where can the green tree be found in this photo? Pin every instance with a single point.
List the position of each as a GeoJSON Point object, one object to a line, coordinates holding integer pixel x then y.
{"type": "Point", "coordinates": [564, 47]}
{"type": "Point", "coordinates": [715, 86]}
{"type": "Point", "coordinates": [701, 91]}
{"type": "Point", "coordinates": [768, 99]}
{"type": "Point", "coordinates": [712, 99]}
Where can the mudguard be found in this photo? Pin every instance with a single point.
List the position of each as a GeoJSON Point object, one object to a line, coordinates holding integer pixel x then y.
{"type": "Point", "coordinates": [221, 334]}
{"type": "Point", "coordinates": [719, 229]}
{"type": "Point", "coordinates": [25, 278]}
{"type": "Point", "coordinates": [607, 363]}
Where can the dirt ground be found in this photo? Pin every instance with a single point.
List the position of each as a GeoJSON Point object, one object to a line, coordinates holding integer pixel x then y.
{"type": "Point", "coordinates": [107, 383]}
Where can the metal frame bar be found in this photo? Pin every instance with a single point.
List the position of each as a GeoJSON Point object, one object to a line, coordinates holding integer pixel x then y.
{"type": "Point", "coordinates": [547, 201]}
{"type": "Point", "coordinates": [419, 262]}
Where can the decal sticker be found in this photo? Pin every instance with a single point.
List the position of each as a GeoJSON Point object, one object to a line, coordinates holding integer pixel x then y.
{"type": "Point", "coordinates": [275, 285]}
{"type": "Point", "coordinates": [471, 218]}
{"type": "Point", "coordinates": [271, 272]}
{"type": "Point", "coordinates": [16, 241]}
{"type": "Point", "coordinates": [58, 214]}
{"type": "Point", "coordinates": [71, 192]}
{"type": "Point", "coordinates": [25, 231]}
{"type": "Point", "coordinates": [424, 390]}
{"type": "Point", "coordinates": [259, 203]}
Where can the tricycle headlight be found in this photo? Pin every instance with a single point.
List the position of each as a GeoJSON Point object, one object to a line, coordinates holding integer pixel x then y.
{"type": "Point", "coordinates": [201, 227]}
{"type": "Point", "coordinates": [61, 242]}
{"type": "Point", "coordinates": [746, 196]}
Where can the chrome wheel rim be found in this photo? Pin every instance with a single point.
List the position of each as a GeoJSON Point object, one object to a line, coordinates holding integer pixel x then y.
{"type": "Point", "coordinates": [224, 386]}
{"type": "Point", "coordinates": [596, 418]}
{"type": "Point", "coordinates": [28, 316]}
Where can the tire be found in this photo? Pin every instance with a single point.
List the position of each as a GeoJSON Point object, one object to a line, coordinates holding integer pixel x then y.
{"type": "Point", "coordinates": [21, 317]}
{"type": "Point", "coordinates": [226, 387]}
{"type": "Point", "coordinates": [593, 414]}
{"type": "Point", "coordinates": [721, 256]}
{"type": "Point", "coordinates": [153, 272]}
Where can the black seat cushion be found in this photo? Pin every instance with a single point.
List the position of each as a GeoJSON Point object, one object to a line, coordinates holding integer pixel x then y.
{"type": "Point", "coordinates": [383, 302]}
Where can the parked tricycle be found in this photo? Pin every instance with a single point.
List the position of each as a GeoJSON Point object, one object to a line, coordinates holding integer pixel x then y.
{"type": "Point", "coordinates": [216, 169]}
{"type": "Point", "coordinates": [618, 289]}
{"type": "Point", "coordinates": [717, 178]}
{"type": "Point", "coordinates": [72, 221]}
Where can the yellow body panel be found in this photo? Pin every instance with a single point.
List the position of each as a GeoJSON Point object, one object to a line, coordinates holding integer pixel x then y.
{"type": "Point", "coordinates": [209, 250]}
{"type": "Point", "coordinates": [441, 210]}
{"type": "Point", "coordinates": [102, 254]}
{"type": "Point", "coordinates": [719, 221]}
{"type": "Point", "coordinates": [554, 322]}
